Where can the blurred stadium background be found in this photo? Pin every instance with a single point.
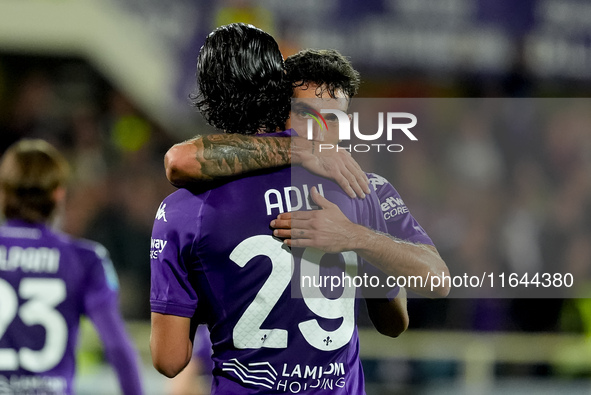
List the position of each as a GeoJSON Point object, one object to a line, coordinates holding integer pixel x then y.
{"type": "Point", "coordinates": [108, 83]}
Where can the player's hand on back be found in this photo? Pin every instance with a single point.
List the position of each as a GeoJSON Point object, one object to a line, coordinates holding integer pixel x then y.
{"type": "Point", "coordinates": [327, 229]}
{"type": "Point", "coordinates": [338, 166]}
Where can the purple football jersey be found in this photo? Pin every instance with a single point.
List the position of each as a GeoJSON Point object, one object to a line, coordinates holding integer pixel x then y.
{"type": "Point", "coordinates": [47, 280]}
{"type": "Point", "coordinates": [202, 349]}
{"type": "Point", "coordinates": [214, 259]}
{"type": "Point", "coordinates": [401, 224]}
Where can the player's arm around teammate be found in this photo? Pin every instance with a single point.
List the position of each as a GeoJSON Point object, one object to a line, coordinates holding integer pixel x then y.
{"type": "Point", "coordinates": [329, 230]}
{"type": "Point", "coordinates": [206, 158]}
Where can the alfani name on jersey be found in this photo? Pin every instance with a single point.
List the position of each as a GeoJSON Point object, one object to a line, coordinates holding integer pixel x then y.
{"type": "Point", "coordinates": [292, 198]}
{"type": "Point", "coordinates": [316, 377]}
{"type": "Point", "coordinates": [30, 260]}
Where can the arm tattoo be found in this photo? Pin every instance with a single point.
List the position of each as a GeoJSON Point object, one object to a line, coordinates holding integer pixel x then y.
{"type": "Point", "coordinates": [222, 155]}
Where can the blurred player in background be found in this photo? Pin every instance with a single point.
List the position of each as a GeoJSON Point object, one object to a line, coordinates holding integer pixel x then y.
{"type": "Point", "coordinates": [214, 259]}
{"type": "Point", "coordinates": [322, 78]}
{"type": "Point", "coordinates": [48, 280]}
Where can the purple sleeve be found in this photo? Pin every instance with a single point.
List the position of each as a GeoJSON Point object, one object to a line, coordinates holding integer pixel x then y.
{"type": "Point", "coordinates": [202, 348]}
{"type": "Point", "coordinates": [399, 221]}
{"type": "Point", "coordinates": [101, 306]}
{"type": "Point", "coordinates": [101, 285]}
{"type": "Point", "coordinates": [118, 348]}
{"type": "Point", "coordinates": [171, 291]}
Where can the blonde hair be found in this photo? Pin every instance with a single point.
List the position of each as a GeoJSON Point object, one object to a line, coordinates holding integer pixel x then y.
{"type": "Point", "coordinates": [30, 172]}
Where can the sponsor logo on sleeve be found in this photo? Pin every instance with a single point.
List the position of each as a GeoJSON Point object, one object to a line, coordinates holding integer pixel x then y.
{"type": "Point", "coordinates": [156, 247]}
{"type": "Point", "coordinates": [392, 207]}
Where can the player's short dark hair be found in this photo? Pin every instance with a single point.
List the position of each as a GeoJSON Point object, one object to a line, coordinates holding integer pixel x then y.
{"type": "Point", "coordinates": [326, 68]}
{"type": "Point", "coordinates": [30, 171]}
{"type": "Point", "coordinates": [242, 86]}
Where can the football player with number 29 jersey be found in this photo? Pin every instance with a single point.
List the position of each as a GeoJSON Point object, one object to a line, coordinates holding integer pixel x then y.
{"type": "Point", "coordinates": [215, 261]}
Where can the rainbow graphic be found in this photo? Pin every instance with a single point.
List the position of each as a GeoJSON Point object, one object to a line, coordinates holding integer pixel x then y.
{"type": "Point", "coordinates": [318, 115]}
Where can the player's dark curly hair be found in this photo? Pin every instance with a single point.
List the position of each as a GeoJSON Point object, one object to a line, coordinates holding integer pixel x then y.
{"type": "Point", "coordinates": [242, 86]}
{"type": "Point", "coordinates": [326, 68]}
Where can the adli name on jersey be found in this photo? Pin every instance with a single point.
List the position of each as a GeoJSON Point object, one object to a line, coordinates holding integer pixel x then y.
{"type": "Point", "coordinates": [292, 198]}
